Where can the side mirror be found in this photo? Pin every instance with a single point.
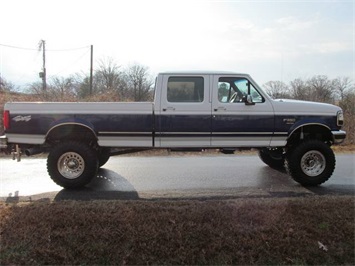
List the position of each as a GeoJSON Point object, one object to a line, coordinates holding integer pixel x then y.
{"type": "Point", "coordinates": [249, 100]}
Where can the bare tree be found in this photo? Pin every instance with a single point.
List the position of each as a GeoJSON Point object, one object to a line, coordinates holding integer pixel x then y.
{"type": "Point", "coordinates": [113, 84]}
{"type": "Point", "coordinates": [6, 86]}
{"type": "Point", "coordinates": [342, 85]}
{"type": "Point", "coordinates": [277, 89]}
{"type": "Point", "coordinates": [108, 78]}
{"type": "Point", "coordinates": [82, 85]}
{"type": "Point", "coordinates": [299, 89]}
{"type": "Point", "coordinates": [58, 89]}
{"type": "Point", "coordinates": [139, 82]}
{"type": "Point", "coordinates": [36, 89]}
{"type": "Point", "coordinates": [320, 88]}
{"type": "Point", "coordinates": [348, 106]}
{"type": "Point", "coordinates": [62, 89]}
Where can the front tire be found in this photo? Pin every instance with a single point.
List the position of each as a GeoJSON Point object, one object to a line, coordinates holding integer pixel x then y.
{"type": "Point", "coordinates": [103, 156]}
{"type": "Point", "coordinates": [273, 157]}
{"type": "Point", "coordinates": [311, 163]}
{"type": "Point", "coordinates": [72, 164]}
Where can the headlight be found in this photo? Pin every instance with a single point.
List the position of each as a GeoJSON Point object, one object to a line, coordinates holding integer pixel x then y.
{"type": "Point", "coordinates": [340, 118]}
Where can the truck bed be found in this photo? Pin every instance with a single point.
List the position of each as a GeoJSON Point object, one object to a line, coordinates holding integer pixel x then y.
{"type": "Point", "coordinates": [115, 124]}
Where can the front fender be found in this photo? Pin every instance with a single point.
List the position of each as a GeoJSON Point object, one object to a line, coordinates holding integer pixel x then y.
{"type": "Point", "coordinates": [307, 122]}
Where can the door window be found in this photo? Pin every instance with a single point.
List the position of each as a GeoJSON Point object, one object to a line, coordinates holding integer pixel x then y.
{"type": "Point", "coordinates": [235, 90]}
{"type": "Point", "coordinates": [185, 89]}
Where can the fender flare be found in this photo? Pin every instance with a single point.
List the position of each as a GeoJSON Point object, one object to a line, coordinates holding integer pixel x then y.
{"type": "Point", "coordinates": [306, 123]}
{"type": "Point", "coordinates": [71, 122]}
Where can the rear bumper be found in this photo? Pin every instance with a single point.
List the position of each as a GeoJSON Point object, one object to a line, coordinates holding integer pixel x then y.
{"type": "Point", "coordinates": [3, 142]}
{"type": "Point", "coordinates": [338, 136]}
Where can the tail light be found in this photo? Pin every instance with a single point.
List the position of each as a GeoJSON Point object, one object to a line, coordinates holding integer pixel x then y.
{"type": "Point", "coordinates": [6, 119]}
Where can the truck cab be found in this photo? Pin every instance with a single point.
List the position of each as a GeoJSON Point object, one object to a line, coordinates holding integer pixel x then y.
{"type": "Point", "coordinates": [212, 110]}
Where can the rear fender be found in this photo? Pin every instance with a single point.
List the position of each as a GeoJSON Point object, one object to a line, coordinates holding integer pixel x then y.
{"type": "Point", "coordinates": [68, 126]}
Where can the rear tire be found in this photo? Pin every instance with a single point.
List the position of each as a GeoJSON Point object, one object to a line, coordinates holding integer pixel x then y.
{"type": "Point", "coordinates": [72, 164]}
{"type": "Point", "coordinates": [311, 163]}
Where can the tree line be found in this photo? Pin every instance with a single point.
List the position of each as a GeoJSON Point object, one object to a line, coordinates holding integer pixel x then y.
{"type": "Point", "coordinates": [318, 88]}
{"type": "Point", "coordinates": [112, 82]}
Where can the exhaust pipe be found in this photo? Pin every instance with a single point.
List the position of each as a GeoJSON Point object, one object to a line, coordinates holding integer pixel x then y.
{"type": "Point", "coordinates": [33, 151]}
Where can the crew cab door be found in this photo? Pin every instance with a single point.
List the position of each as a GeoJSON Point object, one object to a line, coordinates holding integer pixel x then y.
{"type": "Point", "coordinates": [185, 112]}
{"type": "Point", "coordinates": [241, 114]}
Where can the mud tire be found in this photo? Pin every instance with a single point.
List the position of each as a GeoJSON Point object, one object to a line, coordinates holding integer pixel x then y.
{"type": "Point", "coordinates": [103, 155]}
{"type": "Point", "coordinates": [273, 158]}
{"type": "Point", "coordinates": [310, 163]}
{"type": "Point", "coordinates": [72, 164]}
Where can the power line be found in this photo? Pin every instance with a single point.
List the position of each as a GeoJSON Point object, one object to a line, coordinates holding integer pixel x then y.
{"type": "Point", "coordinates": [42, 47]}
{"type": "Point", "coordinates": [16, 47]}
{"type": "Point", "coordinates": [73, 63]}
{"type": "Point", "coordinates": [47, 50]}
{"type": "Point", "coordinates": [69, 49]}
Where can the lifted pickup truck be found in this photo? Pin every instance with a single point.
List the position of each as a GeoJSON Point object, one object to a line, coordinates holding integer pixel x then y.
{"type": "Point", "coordinates": [191, 110]}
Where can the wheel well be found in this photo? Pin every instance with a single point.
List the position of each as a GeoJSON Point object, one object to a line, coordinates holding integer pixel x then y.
{"type": "Point", "coordinates": [71, 132]}
{"type": "Point", "coordinates": [308, 132]}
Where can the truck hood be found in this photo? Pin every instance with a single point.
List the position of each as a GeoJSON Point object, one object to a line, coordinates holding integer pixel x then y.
{"type": "Point", "coordinates": [304, 107]}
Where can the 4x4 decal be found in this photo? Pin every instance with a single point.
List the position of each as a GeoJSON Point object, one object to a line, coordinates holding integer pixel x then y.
{"type": "Point", "coordinates": [21, 118]}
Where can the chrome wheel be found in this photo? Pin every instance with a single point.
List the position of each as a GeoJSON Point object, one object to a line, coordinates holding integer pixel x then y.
{"type": "Point", "coordinates": [313, 163]}
{"type": "Point", "coordinates": [71, 165]}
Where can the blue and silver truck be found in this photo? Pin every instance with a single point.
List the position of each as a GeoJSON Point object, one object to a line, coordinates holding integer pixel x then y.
{"type": "Point", "coordinates": [191, 110]}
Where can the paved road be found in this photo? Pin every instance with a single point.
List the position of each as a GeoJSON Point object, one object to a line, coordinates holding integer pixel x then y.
{"type": "Point", "coordinates": [171, 177]}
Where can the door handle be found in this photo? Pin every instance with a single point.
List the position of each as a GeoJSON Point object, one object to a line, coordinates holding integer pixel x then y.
{"type": "Point", "coordinates": [168, 109]}
{"type": "Point", "coordinates": [220, 109]}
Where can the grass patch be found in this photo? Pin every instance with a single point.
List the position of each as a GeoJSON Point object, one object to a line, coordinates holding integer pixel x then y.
{"type": "Point", "coordinates": [344, 148]}
{"type": "Point", "coordinates": [313, 230]}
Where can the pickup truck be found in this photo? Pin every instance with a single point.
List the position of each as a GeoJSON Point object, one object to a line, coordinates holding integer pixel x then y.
{"type": "Point", "coordinates": [191, 110]}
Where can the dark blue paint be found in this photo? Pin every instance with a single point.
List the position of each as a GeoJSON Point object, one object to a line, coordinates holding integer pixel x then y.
{"type": "Point", "coordinates": [132, 125]}
{"type": "Point", "coordinates": [183, 123]}
{"type": "Point", "coordinates": [243, 123]}
{"type": "Point", "coordinates": [40, 124]}
{"type": "Point", "coordinates": [72, 120]}
{"type": "Point", "coordinates": [282, 126]}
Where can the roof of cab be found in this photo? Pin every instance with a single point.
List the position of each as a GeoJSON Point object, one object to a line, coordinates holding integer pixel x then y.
{"type": "Point", "coordinates": [202, 72]}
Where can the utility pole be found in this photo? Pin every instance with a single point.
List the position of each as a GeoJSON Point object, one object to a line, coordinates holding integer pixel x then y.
{"type": "Point", "coordinates": [91, 67]}
{"type": "Point", "coordinates": [43, 74]}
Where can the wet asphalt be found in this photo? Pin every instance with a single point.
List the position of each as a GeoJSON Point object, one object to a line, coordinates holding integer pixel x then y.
{"type": "Point", "coordinates": [171, 178]}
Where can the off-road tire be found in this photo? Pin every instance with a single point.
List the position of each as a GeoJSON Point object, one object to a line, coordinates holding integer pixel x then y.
{"type": "Point", "coordinates": [310, 163]}
{"type": "Point", "coordinates": [103, 156]}
{"type": "Point", "coordinates": [274, 159]}
{"type": "Point", "coordinates": [72, 164]}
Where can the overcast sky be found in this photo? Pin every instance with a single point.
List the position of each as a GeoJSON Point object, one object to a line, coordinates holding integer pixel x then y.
{"type": "Point", "coordinates": [271, 40]}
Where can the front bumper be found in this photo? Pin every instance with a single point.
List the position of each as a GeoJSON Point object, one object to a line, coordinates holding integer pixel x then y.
{"type": "Point", "coordinates": [3, 142]}
{"type": "Point", "coordinates": [338, 136]}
